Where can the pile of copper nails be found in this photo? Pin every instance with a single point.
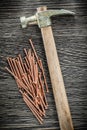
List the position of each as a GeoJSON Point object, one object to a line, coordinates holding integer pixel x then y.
{"type": "Point", "coordinates": [31, 81]}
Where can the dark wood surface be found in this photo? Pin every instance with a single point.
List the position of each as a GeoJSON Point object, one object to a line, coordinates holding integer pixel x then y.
{"type": "Point", "coordinates": [71, 41]}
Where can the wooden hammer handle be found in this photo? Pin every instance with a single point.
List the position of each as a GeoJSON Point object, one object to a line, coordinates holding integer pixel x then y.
{"type": "Point", "coordinates": [56, 80]}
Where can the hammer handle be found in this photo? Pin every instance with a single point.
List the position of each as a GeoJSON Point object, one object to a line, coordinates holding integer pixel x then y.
{"type": "Point", "coordinates": [56, 80]}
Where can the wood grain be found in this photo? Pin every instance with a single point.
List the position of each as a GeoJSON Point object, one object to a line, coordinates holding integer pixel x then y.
{"type": "Point", "coordinates": [71, 42]}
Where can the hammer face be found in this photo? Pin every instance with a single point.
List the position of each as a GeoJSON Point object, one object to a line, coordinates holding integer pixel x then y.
{"type": "Point", "coordinates": [23, 22]}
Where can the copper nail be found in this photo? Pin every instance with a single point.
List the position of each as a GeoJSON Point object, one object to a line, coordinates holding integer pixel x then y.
{"type": "Point", "coordinates": [41, 66]}
{"type": "Point", "coordinates": [27, 62]}
{"type": "Point", "coordinates": [31, 43]}
{"type": "Point", "coordinates": [25, 51]}
{"type": "Point", "coordinates": [40, 103]}
{"type": "Point", "coordinates": [41, 84]}
{"type": "Point", "coordinates": [19, 64]}
{"type": "Point", "coordinates": [16, 69]}
{"type": "Point", "coordinates": [20, 59]}
{"type": "Point", "coordinates": [12, 65]}
{"type": "Point", "coordinates": [35, 73]}
{"type": "Point", "coordinates": [29, 67]}
{"type": "Point", "coordinates": [19, 67]}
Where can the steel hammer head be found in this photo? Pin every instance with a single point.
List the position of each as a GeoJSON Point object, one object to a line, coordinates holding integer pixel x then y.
{"type": "Point", "coordinates": [42, 18]}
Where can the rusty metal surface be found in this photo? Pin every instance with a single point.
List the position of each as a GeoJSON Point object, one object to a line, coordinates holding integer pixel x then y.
{"type": "Point", "coordinates": [71, 41]}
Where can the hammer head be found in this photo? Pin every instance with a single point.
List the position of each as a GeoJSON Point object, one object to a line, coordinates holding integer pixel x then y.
{"type": "Point", "coordinates": [42, 18]}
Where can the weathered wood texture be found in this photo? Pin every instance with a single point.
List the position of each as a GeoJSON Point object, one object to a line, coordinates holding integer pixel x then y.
{"type": "Point", "coordinates": [70, 36]}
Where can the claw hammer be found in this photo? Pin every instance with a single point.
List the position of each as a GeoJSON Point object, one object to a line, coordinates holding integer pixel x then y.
{"type": "Point", "coordinates": [42, 19]}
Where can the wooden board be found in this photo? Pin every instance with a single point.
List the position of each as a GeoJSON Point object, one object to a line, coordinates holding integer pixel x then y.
{"type": "Point", "coordinates": [71, 41]}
